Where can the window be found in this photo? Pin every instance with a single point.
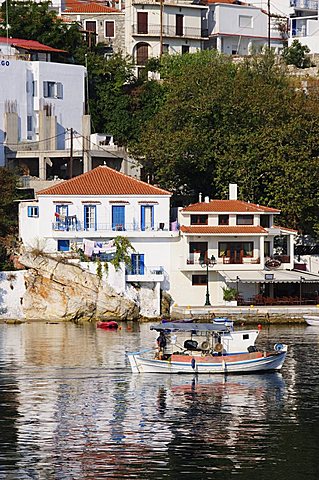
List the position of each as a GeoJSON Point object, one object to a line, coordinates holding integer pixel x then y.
{"type": "Point", "coordinates": [63, 245]}
{"type": "Point", "coordinates": [248, 249]}
{"type": "Point", "coordinates": [197, 252]}
{"type": "Point", "coordinates": [61, 213]}
{"type": "Point", "coordinates": [90, 217]}
{"type": "Point", "coordinates": [52, 90]}
{"type": "Point", "coordinates": [90, 26]}
{"type": "Point", "coordinates": [199, 219]}
{"type": "Point", "coordinates": [246, 336]}
{"type": "Point", "coordinates": [109, 29]}
{"type": "Point", "coordinates": [118, 217]}
{"type": "Point", "coordinates": [245, 21]}
{"type": "Point", "coordinates": [142, 22]}
{"type": "Point", "coordinates": [235, 250]}
{"type": "Point", "coordinates": [33, 212]}
{"type": "Point", "coordinates": [185, 49]}
{"type": "Point", "coordinates": [265, 221]}
{"type": "Point", "coordinates": [138, 265]}
{"type": "Point", "coordinates": [223, 219]}
{"type": "Point", "coordinates": [147, 217]}
{"type": "Point", "coordinates": [199, 279]}
{"type": "Point", "coordinates": [165, 48]}
{"type": "Point", "coordinates": [34, 88]}
{"type": "Point", "coordinates": [245, 220]}
{"type": "Point", "coordinates": [267, 249]}
{"type": "Point", "coordinates": [179, 24]}
{"type": "Point", "coordinates": [29, 123]}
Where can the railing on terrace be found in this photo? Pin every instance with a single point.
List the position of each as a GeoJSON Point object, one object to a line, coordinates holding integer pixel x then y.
{"type": "Point", "coordinates": [154, 270]}
{"type": "Point", "coordinates": [226, 260]}
{"type": "Point", "coordinates": [304, 4]}
{"type": "Point", "coordinates": [299, 32]}
{"type": "Point", "coordinates": [170, 31]}
{"type": "Point", "coordinates": [74, 225]}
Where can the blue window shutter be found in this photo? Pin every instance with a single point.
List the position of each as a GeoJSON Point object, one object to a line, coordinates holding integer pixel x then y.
{"type": "Point", "coordinates": [118, 217]}
{"type": "Point", "coordinates": [29, 212]}
{"type": "Point", "coordinates": [85, 217]}
{"type": "Point", "coordinates": [133, 260]}
{"type": "Point", "coordinates": [141, 264]}
{"type": "Point", "coordinates": [152, 216]}
{"type": "Point", "coordinates": [142, 217]}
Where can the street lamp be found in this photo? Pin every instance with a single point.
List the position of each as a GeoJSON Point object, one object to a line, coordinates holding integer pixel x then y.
{"type": "Point", "coordinates": [206, 262]}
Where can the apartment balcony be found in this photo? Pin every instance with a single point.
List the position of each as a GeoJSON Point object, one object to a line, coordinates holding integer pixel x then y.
{"type": "Point", "coordinates": [310, 5]}
{"type": "Point", "coordinates": [170, 31]}
{"type": "Point", "coordinates": [73, 228]}
{"type": "Point", "coordinates": [149, 274]}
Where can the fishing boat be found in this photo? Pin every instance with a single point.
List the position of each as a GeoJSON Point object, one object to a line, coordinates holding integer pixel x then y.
{"type": "Point", "coordinates": [111, 325]}
{"type": "Point", "coordinates": [206, 348]}
{"type": "Point", "coordinates": [312, 320]}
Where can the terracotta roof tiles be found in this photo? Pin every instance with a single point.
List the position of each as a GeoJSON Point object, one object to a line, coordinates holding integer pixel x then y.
{"type": "Point", "coordinates": [225, 230]}
{"type": "Point", "coordinates": [229, 206]}
{"type": "Point", "coordinates": [29, 44]}
{"type": "Point", "coordinates": [103, 181]}
{"type": "Point", "coordinates": [75, 7]}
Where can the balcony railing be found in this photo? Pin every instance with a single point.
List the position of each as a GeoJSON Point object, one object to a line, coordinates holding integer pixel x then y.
{"type": "Point", "coordinates": [170, 31]}
{"type": "Point", "coordinates": [299, 32]}
{"type": "Point", "coordinates": [155, 270]}
{"type": "Point", "coordinates": [71, 224]}
{"type": "Point", "coordinates": [304, 4]}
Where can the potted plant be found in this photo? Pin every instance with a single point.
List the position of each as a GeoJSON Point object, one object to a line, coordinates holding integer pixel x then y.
{"type": "Point", "coordinates": [230, 296]}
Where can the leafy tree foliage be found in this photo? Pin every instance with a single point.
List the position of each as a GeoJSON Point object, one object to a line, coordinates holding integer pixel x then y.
{"type": "Point", "coordinates": [8, 215]}
{"type": "Point", "coordinates": [220, 122]}
{"type": "Point", "coordinates": [35, 21]}
{"type": "Point", "coordinates": [296, 55]}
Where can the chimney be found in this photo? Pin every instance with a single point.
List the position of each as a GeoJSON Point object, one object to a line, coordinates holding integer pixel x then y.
{"type": "Point", "coordinates": [206, 199]}
{"type": "Point", "coordinates": [233, 191]}
{"type": "Point", "coordinates": [200, 197]}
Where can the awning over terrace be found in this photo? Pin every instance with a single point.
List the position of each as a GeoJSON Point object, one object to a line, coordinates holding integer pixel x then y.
{"type": "Point", "coordinates": [270, 276]}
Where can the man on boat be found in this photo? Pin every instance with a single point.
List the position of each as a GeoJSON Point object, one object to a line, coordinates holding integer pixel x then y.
{"type": "Point", "coordinates": [161, 343]}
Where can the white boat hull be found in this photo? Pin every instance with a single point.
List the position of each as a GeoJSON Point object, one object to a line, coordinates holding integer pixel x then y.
{"type": "Point", "coordinates": [312, 320]}
{"type": "Point", "coordinates": [224, 365]}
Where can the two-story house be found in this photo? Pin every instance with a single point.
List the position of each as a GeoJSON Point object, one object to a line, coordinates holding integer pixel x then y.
{"type": "Point", "coordinates": [233, 244]}
{"type": "Point", "coordinates": [89, 211]}
{"type": "Point", "coordinates": [237, 28]}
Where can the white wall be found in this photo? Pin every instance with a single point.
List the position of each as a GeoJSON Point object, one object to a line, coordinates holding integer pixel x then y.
{"type": "Point", "coordinates": [12, 289]}
{"type": "Point", "coordinates": [16, 77]}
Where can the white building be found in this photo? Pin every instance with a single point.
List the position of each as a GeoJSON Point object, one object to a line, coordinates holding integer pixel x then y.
{"type": "Point", "coordinates": [233, 244]}
{"type": "Point", "coordinates": [304, 24]}
{"type": "Point", "coordinates": [173, 26]}
{"type": "Point", "coordinates": [90, 210]}
{"type": "Point", "coordinates": [240, 29]}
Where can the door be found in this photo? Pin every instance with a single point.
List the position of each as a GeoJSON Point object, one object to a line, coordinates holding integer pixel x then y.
{"type": "Point", "coordinates": [147, 217]}
{"type": "Point", "coordinates": [90, 217]}
{"type": "Point", "coordinates": [118, 217]}
{"type": "Point", "coordinates": [61, 214]}
{"type": "Point", "coordinates": [138, 266]}
{"type": "Point", "coordinates": [63, 245]}
{"type": "Point", "coordinates": [235, 252]}
{"type": "Point", "coordinates": [141, 53]}
{"type": "Point", "coordinates": [179, 24]}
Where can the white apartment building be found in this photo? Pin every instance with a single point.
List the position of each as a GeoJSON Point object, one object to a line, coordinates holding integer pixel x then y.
{"type": "Point", "coordinates": [240, 29]}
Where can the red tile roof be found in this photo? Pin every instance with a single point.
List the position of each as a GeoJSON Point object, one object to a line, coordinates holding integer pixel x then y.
{"type": "Point", "coordinates": [29, 44]}
{"type": "Point", "coordinates": [103, 181]}
{"type": "Point", "coordinates": [229, 206]}
{"type": "Point", "coordinates": [224, 230]}
{"type": "Point", "coordinates": [80, 7]}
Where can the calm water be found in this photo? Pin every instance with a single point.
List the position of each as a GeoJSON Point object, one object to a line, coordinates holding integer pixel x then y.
{"type": "Point", "coordinates": [71, 409]}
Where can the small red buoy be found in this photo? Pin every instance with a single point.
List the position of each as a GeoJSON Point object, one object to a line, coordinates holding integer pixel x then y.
{"type": "Point", "coordinates": [259, 326]}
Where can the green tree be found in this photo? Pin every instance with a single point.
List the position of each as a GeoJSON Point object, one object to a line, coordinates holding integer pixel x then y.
{"type": "Point", "coordinates": [296, 55]}
{"type": "Point", "coordinates": [8, 215]}
{"type": "Point", "coordinates": [219, 122]}
{"type": "Point", "coordinates": [35, 21]}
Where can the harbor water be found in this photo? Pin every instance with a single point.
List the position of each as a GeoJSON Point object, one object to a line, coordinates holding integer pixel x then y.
{"type": "Point", "coordinates": [72, 410]}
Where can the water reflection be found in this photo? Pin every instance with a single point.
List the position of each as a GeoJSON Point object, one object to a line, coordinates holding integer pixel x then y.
{"type": "Point", "coordinates": [71, 409]}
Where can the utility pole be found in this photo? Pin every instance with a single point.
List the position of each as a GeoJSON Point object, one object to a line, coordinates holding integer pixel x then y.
{"type": "Point", "coordinates": [268, 24]}
{"type": "Point", "coordinates": [161, 26]}
{"type": "Point", "coordinates": [71, 153]}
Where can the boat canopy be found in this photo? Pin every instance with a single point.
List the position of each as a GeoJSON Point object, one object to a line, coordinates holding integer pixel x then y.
{"type": "Point", "coordinates": [190, 327]}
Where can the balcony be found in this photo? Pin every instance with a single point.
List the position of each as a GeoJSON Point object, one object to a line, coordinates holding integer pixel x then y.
{"type": "Point", "coordinates": [304, 4]}
{"type": "Point", "coordinates": [72, 227]}
{"type": "Point", "coordinates": [150, 274]}
{"type": "Point", "coordinates": [170, 31]}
